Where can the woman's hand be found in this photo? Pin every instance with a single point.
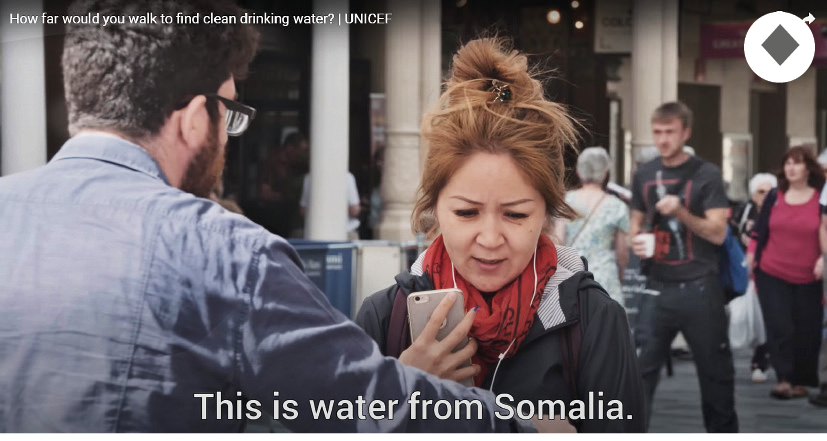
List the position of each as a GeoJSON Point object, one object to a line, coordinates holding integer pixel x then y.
{"type": "Point", "coordinates": [745, 238]}
{"type": "Point", "coordinates": [435, 357]}
{"type": "Point", "coordinates": [818, 271]}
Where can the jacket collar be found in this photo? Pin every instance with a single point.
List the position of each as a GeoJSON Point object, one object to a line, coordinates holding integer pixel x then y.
{"type": "Point", "coordinates": [554, 309]}
{"type": "Point", "coordinates": [113, 149]}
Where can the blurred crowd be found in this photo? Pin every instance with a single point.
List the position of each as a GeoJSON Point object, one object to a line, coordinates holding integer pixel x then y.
{"type": "Point", "coordinates": [781, 229]}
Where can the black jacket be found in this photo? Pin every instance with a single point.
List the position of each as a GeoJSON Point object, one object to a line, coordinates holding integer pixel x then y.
{"type": "Point", "coordinates": [739, 221]}
{"type": "Point", "coordinates": [761, 231]}
{"type": "Point", "coordinates": [607, 366]}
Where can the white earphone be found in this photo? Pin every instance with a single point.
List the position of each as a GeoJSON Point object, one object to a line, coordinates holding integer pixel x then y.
{"type": "Point", "coordinates": [502, 355]}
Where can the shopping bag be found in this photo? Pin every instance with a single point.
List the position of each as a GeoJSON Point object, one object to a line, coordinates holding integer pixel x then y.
{"type": "Point", "coordinates": [746, 322]}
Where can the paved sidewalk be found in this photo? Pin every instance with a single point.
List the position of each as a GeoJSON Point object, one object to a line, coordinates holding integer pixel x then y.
{"type": "Point", "coordinates": [677, 406]}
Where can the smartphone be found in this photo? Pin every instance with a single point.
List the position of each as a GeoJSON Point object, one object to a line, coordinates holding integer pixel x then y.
{"type": "Point", "coordinates": [421, 306]}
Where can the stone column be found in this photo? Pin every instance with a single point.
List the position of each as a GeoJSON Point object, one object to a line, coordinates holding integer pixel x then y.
{"type": "Point", "coordinates": [431, 59]}
{"type": "Point", "coordinates": [23, 88]}
{"type": "Point", "coordinates": [738, 148]}
{"type": "Point", "coordinates": [801, 110]}
{"type": "Point", "coordinates": [326, 218]}
{"type": "Point", "coordinates": [670, 24]}
{"type": "Point", "coordinates": [735, 96]}
{"type": "Point", "coordinates": [654, 64]}
{"type": "Point", "coordinates": [403, 76]}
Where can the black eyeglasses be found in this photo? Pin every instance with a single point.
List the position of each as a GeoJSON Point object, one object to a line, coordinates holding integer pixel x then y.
{"type": "Point", "coordinates": [238, 116]}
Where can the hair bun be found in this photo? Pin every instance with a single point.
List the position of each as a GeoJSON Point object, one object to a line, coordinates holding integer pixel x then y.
{"type": "Point", "coordinates": [491, 65]}
{"type": "Point", "coordinates": [492, 104]}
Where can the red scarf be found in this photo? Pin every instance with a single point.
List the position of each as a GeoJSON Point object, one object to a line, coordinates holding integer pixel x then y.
{"type": "Point", "coordinates": [497, 326]}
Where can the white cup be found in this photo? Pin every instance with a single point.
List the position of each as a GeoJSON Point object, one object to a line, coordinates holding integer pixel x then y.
{"type": "Point", "coordinates": [648, 240]}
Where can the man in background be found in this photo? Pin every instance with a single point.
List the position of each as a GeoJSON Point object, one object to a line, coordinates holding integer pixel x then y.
{"type": "Point", "coordinates": [280, 176]}
{"type": "Point", "coordinates": [354, 206]}
{"type": "Point", "coordinates": [680, 200]}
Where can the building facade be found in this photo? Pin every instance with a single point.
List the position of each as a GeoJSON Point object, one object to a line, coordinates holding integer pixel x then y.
{"type": "Point", "coordinates": [358, 92]}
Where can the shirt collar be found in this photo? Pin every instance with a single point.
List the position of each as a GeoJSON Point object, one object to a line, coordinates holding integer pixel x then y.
{"type": "Point", "coordinates": [111, 148]}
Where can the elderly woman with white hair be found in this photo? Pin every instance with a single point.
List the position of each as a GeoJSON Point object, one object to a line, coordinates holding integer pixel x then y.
{"type": "Point", "coordinates": [599, 234]}
{"type": "Point", "coordinates": [759, 186]}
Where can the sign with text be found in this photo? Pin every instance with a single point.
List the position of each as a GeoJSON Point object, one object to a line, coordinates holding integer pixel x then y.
{"type": "Point", "coordinates": [726, 40]}
{"type": "Point", "coordinates": [723, 40]}
{"type": "Point", "coordinates": [613, 27]}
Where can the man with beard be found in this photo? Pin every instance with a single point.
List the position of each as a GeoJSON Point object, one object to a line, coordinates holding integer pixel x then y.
{"type": "Point", "coordinates": [130, 302]}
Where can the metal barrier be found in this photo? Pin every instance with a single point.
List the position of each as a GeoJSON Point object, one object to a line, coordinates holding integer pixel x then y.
{"type": "Point", "coordinates": [331, 266]}
{"type": "Point", "coordinates": [349, 272]}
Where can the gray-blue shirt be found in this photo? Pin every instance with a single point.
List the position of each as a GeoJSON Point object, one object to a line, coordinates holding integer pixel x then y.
{"type": "Point", "coordinates": [126, 303]}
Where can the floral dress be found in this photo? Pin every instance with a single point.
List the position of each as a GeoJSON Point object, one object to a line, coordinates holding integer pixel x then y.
{"type": "Point", "coordinates": [596, 241]}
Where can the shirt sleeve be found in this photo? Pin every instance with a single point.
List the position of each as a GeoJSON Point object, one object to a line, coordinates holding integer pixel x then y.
{"type": "Point", "coordinates": [622, 215]}
{"type": "Point", "coordinates": [352, 191]}
{"type": "Point", "coordinates": [713, 194]}
{"type": "Point", "coordinates": [292, 341]}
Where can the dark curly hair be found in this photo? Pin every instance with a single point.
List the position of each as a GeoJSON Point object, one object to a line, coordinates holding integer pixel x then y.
{"type": "Point", "coordinates": [130, 77]}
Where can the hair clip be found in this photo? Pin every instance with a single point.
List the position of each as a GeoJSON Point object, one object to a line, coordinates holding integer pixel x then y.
{"type": "Point", "coordinates": [501, 90]}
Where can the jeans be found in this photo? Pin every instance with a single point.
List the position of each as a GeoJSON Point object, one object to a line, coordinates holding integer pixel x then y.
{"type": "Point", "coordinates": [696, 309]}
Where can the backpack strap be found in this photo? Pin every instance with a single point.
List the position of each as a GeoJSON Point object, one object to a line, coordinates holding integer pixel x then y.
{"type": "Point", "coordinates": [572, 336]}
{"type": "Point", "coordinates": [399, 329]}
{"type": "Point", "coordinates": [761, 229]}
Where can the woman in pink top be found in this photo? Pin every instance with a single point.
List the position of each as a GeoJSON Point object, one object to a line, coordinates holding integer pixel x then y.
{"type": "Point", "coordinates": [785, 256]}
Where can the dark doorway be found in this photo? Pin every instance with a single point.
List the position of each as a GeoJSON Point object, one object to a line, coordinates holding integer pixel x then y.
{"type": "Point", "coordinates": [768, 124]}
{"type": "Point", "coordinates": [821, 106]}
{"type": "Point", "coordinates": [705, 102]}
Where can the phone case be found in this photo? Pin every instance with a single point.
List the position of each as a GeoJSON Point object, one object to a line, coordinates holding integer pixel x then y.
{"type": "Point", "coordinates": [420, 307]}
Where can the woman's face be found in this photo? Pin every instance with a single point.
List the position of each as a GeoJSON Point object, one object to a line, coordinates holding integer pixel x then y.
{"type": "Point", "coordinates": [795, 171]}
{"type": "Point", "coordinates": [491, 219]}
{"type": "Point", "coordinates": [761, 193]}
